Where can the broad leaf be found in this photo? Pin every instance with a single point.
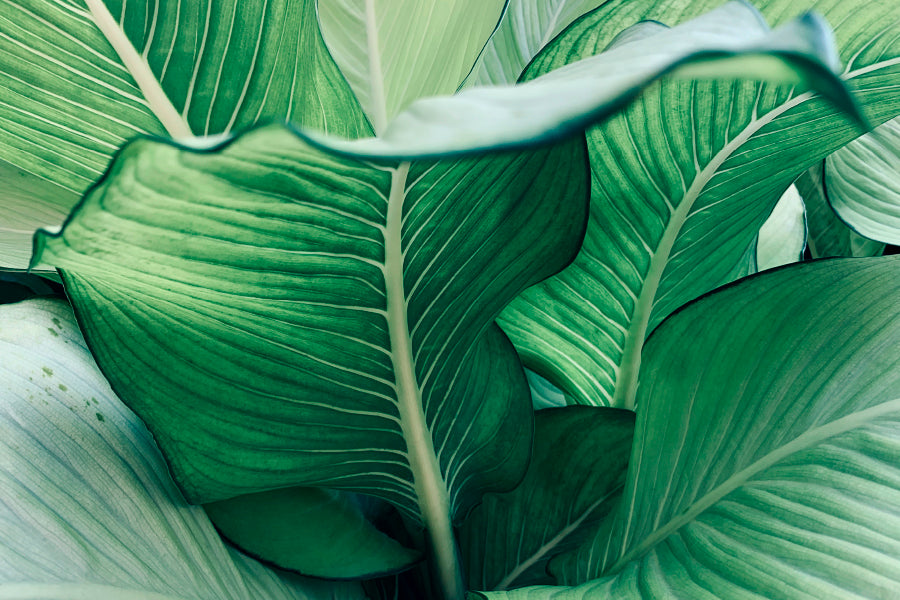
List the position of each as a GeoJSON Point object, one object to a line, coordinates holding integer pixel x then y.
{"type": "Point", "coordinates": [863, 182]}
{"type": "Point", "coordinates": [782, 238]}
{"type": "Point", "coordinates": [87, 505]}
{"type": "Point", "coordinates": [827, 235]}
{"type": "Point", "coordinates": [312, 531]}
{"type": "Point", "coordinates": [575, 476]}
{"type": "Point", "coordinates": [526, 27]}
{"type": "Point", "coordinates": [682, 182]}
{"type": "Point", "coordinates": [766, 450]}
{"type": "Point", "coordinates": [78, 78]}
{"type": "Point", "coordinates": [296, 319]}
{"type": "Point", "coordinates": [394, 52]}
{"type": "Point", "coordinates": [730, 42]}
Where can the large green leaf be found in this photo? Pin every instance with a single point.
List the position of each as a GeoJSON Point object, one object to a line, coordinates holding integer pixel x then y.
{"type": "Point", "coordinates": [393, 52]}
{"type": "Point", "coordinates": [574, 478]}
{"type": "Point", "coordinates": [766, 450]}
{"type": "Point", "coordinates": [78, 78]}
{"type": "Point", "coordinates": [782, 238]}
{"type": "Point", "coordinates": [682, 181]}
{"type": "Point", "coordinates": [87, 505]}
{"type": "Point", "coordinates": [827, 235]}
{"type": "Point", "coordinates": [526, 27]}
{"type": "Point", "coordinates": [282, 317]}
{"type": "Point", "coordinates": [863, 182]}
{"type": "Point", "coordinates": [730, 42]}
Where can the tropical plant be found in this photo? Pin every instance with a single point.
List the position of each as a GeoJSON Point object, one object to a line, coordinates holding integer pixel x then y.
{"type": "Point", "coordinates": [311, 245]}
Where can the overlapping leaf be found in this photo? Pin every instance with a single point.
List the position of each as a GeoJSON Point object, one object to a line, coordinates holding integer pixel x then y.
{"type": "Point", "coordinates": [766, 450]}
{"type": "Point", "coordinates": [87, 507]}
{"type": "Point", "coordinates": [682, 181]}
{"type": "Point", "coordinates": [782, 238]}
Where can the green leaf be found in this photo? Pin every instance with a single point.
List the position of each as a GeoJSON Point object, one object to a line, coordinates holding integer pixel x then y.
{"type": "Point", "coordinates": [827, 235]}
{"type": "Point", "coordinates": [87, 505]}
{"type": "Point", "coordinates": [771, 469]}
{"type": "Point", "coordinates": [78, 78]}
{"type": "Point", "coordinates": [782, 238]}
{"type": "Point", "coordinates": [543, 393]}
{"type": "Point", "coordinates": [393, 53]}
{"type": "Point", "coordinates": [683, 180]}
{"type": "Point", "coordinates": [526, 27]}
{"type": "Point", "coordinates": [863, 182]}
{"type": "Point", "coordinates": [730, 42]}
{"type": "Point", "coordinates": [297, 319]}
{"type": "Point", "coordinates": [574, 478]}
{"type": "Point", "coordinates": [315, 532]}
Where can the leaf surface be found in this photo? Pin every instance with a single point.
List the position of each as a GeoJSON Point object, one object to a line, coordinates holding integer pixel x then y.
{"type": "Point", "coordinates": [87, 505]}
{"type": "Point", "coordinates": [682, 181]}
{"type": "Point", "coordinates": [782, 238]}
{"type": "Point", "coordinates": [769, 470]}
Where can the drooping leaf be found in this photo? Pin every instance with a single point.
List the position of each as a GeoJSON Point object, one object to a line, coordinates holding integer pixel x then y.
{"type": "Point", "coordinates": [730, 42]}
{"type": "Point", "coordinates": [87, 505]}
{"type": "Point", "coordinates": [337, 541]}
{"type": "Point", "coordinates": [393, 53]}
{"type": "Point", "coordinates": [827, 235]}
{"type": "Point", "coordinates": [78, 78]}
{"type": "Point", "coordinates": [766, 450]}
{"type": "Point", "coordinates": [682, 181]}
{"type": "Point", "coordinates": [526, 27]}
{"type": "Point", "coordinates": [782, 238]}
{"type": "Point", "coordinates": [576, 473]}
{"type": "Point", "coordinates": [863, 182]}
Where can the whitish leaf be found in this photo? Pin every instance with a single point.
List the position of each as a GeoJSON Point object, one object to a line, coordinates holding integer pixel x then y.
{"type": "Point", "coordinates": [78, 78]}
{"type": "Point", "coordinates": [782, 238]}
{"type": "Point", "coordinates": [87, 507]}
{"type": "Point", "coordinates": [863, 183]}
{"type": "Point", "coordinates": [393, 53]}
{"type": "Point", "coordinates": [682, 181]}
{"type": "Point", "coordinates": [576, 474]}
{"type": "Point", "coordinates": [765, 458]}
{"type": "Point", "coordinates": [730, 42]}
{"type": "Point", "coordinates": [526, 27]}
{"type": "Point", "coordinates": [827, 235]}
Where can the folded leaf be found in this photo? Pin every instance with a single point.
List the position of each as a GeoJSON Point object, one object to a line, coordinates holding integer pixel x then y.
{"type": "Point", "coordinates": [863, 182]}
{"type": "Point", "coordinates": [87, 505]}
{"type": "Point", "coordinates": [682, 182]}
{"type": "Point", "coordinates": [575, 476]}
{"type": "Point", "coordinates": [730, 42]}
{"type": "Point", "coordinates": [311, 531]}
{"type": "Point", "coordinates": [782, 238]}
{"type": "Point", "coordinates": [766, 450]}
{"type": "Point", "coordinates": [828, 236]}
{"type": "Point", "coordinates": [393, 53]}
{"type": "Point", "coordinates": [543, 393]}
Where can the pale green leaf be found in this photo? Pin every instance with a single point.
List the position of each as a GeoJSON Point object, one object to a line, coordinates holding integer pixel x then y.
{"type": "Point", "coordinates": [782, 238]}
{"type": "Point", "coordinates": [395, 52]}
{"type": "Point", "coordinates": [543, 393]}
{"type": "Point", "coordinates": [87, 507]}
{"type": "Point", "coordinates": [526, 27]}
{"type": "Point", "coordinates": [682, 181]}
{"type": "Point", "coordinates": [78, 78]}
{"type": "Point", "coordinates": [827, 235]}
{"type": "Point", "coordinates": [312, 531]}
{"type": "Point", "coordinates": [765, 461]}
{"type": "Point", "coordinates": [575, 476]}
{"type": "Point", "coordinates": [731, 42]}
{"type": "Point", "coordinates": [863, 183]}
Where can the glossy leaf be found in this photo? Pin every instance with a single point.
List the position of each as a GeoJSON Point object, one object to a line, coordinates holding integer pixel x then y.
{"type": "Point", "coordinates": [682, 181]}
{"type": "Point", "coordinates": [393, 53]}
{"type": "Point", "coordinates": [730, 42]}
{"type": "Point", "coordinates": [782, 238]}
{"type": "Point", "coordinates": [311, 531]}
{"type": "Point", "coordinates": [828, 236]}
{"type": "Point", "coordinates": [87, 504]}
{"type": "Point", "coordinates": [575, 476]}
{"type": "Point", "coordinates": [863, 182]}
{"type": "Point", "coordinates": [765, 458]}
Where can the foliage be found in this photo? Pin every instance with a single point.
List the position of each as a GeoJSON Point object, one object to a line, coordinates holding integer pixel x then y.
{"type": "Point", "coordinates": [421, 299]}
